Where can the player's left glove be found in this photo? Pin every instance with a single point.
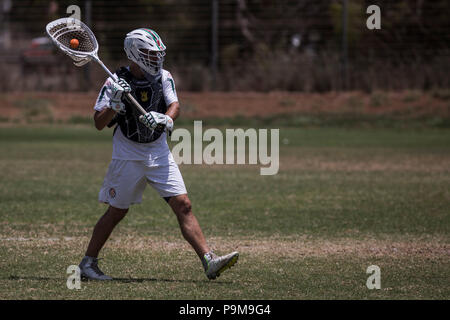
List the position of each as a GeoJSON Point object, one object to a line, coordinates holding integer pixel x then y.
{"type": "Point", "coordinates": [116, 91]}
{"type": "Point", "coordinates": [157, 121]}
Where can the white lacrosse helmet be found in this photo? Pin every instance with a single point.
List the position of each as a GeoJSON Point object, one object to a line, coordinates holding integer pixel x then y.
{"type": "Point", "coordinates": [145, 47]}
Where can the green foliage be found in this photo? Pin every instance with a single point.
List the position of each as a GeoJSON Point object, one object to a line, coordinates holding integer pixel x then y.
{"type": "Point", "coordinates": [35, 109]}
{"type": "Point", "coordinates": [412, 96]}
{"type": "Point", "coordinates": [443, 94]}
{"type": "Point", "coordinates": [76, 119]}
{"type": "Point", "coordinates": [255, 39]}
{"type": "Point", "coordinates": [378, 99]}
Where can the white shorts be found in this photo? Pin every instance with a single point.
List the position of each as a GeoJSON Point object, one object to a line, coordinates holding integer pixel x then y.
{"type": "Point", "coordinates": [126, 180]}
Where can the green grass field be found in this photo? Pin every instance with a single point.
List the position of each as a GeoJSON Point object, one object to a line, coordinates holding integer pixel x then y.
{"type": "Point", "coordinates": [344, 199]}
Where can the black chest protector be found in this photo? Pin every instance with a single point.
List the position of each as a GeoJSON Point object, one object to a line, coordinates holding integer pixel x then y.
{"type": "Point", "coordinates": [149, 94]}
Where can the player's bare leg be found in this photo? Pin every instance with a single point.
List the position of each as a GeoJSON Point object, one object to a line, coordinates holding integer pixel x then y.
{"type": "Point", "coordinates": [181, 206]}
{"type": "Point", "coordinates": [190, 228]}
{"type": "Point", "coordinates": [102, 230]}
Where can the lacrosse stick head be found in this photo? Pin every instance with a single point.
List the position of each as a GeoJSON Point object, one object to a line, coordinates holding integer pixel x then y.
{"type": "Point", "coordinates": [63, 30]}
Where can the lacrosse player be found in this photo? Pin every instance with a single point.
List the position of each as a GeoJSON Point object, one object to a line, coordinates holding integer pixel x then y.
{"type": "Point", "coordinates": [141, 154]}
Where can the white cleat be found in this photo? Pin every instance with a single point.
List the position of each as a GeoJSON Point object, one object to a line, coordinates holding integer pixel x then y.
{"type": "Point", "coordinates": [89, 269]}
{"type": "Point", "coordinates": [215, 265]}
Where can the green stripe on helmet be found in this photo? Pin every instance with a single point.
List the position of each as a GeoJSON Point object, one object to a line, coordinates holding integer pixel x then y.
{"type": "Point", "coordinates": [155, 36]}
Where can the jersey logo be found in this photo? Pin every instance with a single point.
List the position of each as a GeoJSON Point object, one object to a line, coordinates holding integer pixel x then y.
{"type": "Point", "coordinates": [144, 96]}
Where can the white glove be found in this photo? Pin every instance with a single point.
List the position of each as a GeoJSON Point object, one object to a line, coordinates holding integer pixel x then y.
{"type": "Point", "coordinates": [157, 121]}
{"type": "Point", "coordinates": [117, 90]}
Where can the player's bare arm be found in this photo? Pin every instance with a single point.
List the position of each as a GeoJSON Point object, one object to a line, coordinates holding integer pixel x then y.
{"type": "Point", "coordinates": [102, 118]}
{"type": "Point", "coordinates": [173, 110]}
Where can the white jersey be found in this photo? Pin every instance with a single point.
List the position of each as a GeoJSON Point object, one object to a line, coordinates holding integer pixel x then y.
{"type": "Point", "coordinates": [153, 153]}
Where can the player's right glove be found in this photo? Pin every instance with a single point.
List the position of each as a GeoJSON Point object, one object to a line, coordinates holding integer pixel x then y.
{"type": "Point", "coordinates": [117, 90]}
{"type": "Point", "coordinates": [157, 121]}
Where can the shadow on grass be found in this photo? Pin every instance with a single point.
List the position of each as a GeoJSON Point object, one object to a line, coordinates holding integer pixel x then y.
{"type": "Point", "coordinates": [122, 280]}
{"type": "Point", "coordinates": [128, 280]}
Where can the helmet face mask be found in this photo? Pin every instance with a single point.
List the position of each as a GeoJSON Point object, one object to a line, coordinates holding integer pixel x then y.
{"type": "Point", "coordinates": [151, 61]}
{"type": "Point", "coordinates": [146, 49]}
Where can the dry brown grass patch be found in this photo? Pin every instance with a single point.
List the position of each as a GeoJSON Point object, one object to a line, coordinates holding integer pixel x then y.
{"type": "Point", "coordinates": [291, 248]}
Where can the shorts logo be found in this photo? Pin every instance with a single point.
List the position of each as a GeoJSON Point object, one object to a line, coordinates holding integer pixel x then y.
{"type": "Point", "coordinates": [112, 193]}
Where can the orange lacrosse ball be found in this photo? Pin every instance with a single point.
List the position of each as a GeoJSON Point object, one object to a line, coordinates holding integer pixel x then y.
{"type": "Point", "coordinates": [74, 43]}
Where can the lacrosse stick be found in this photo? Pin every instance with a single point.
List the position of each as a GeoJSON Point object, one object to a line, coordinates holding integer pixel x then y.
{"type": "Point", "coordinates": [63, 30]}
